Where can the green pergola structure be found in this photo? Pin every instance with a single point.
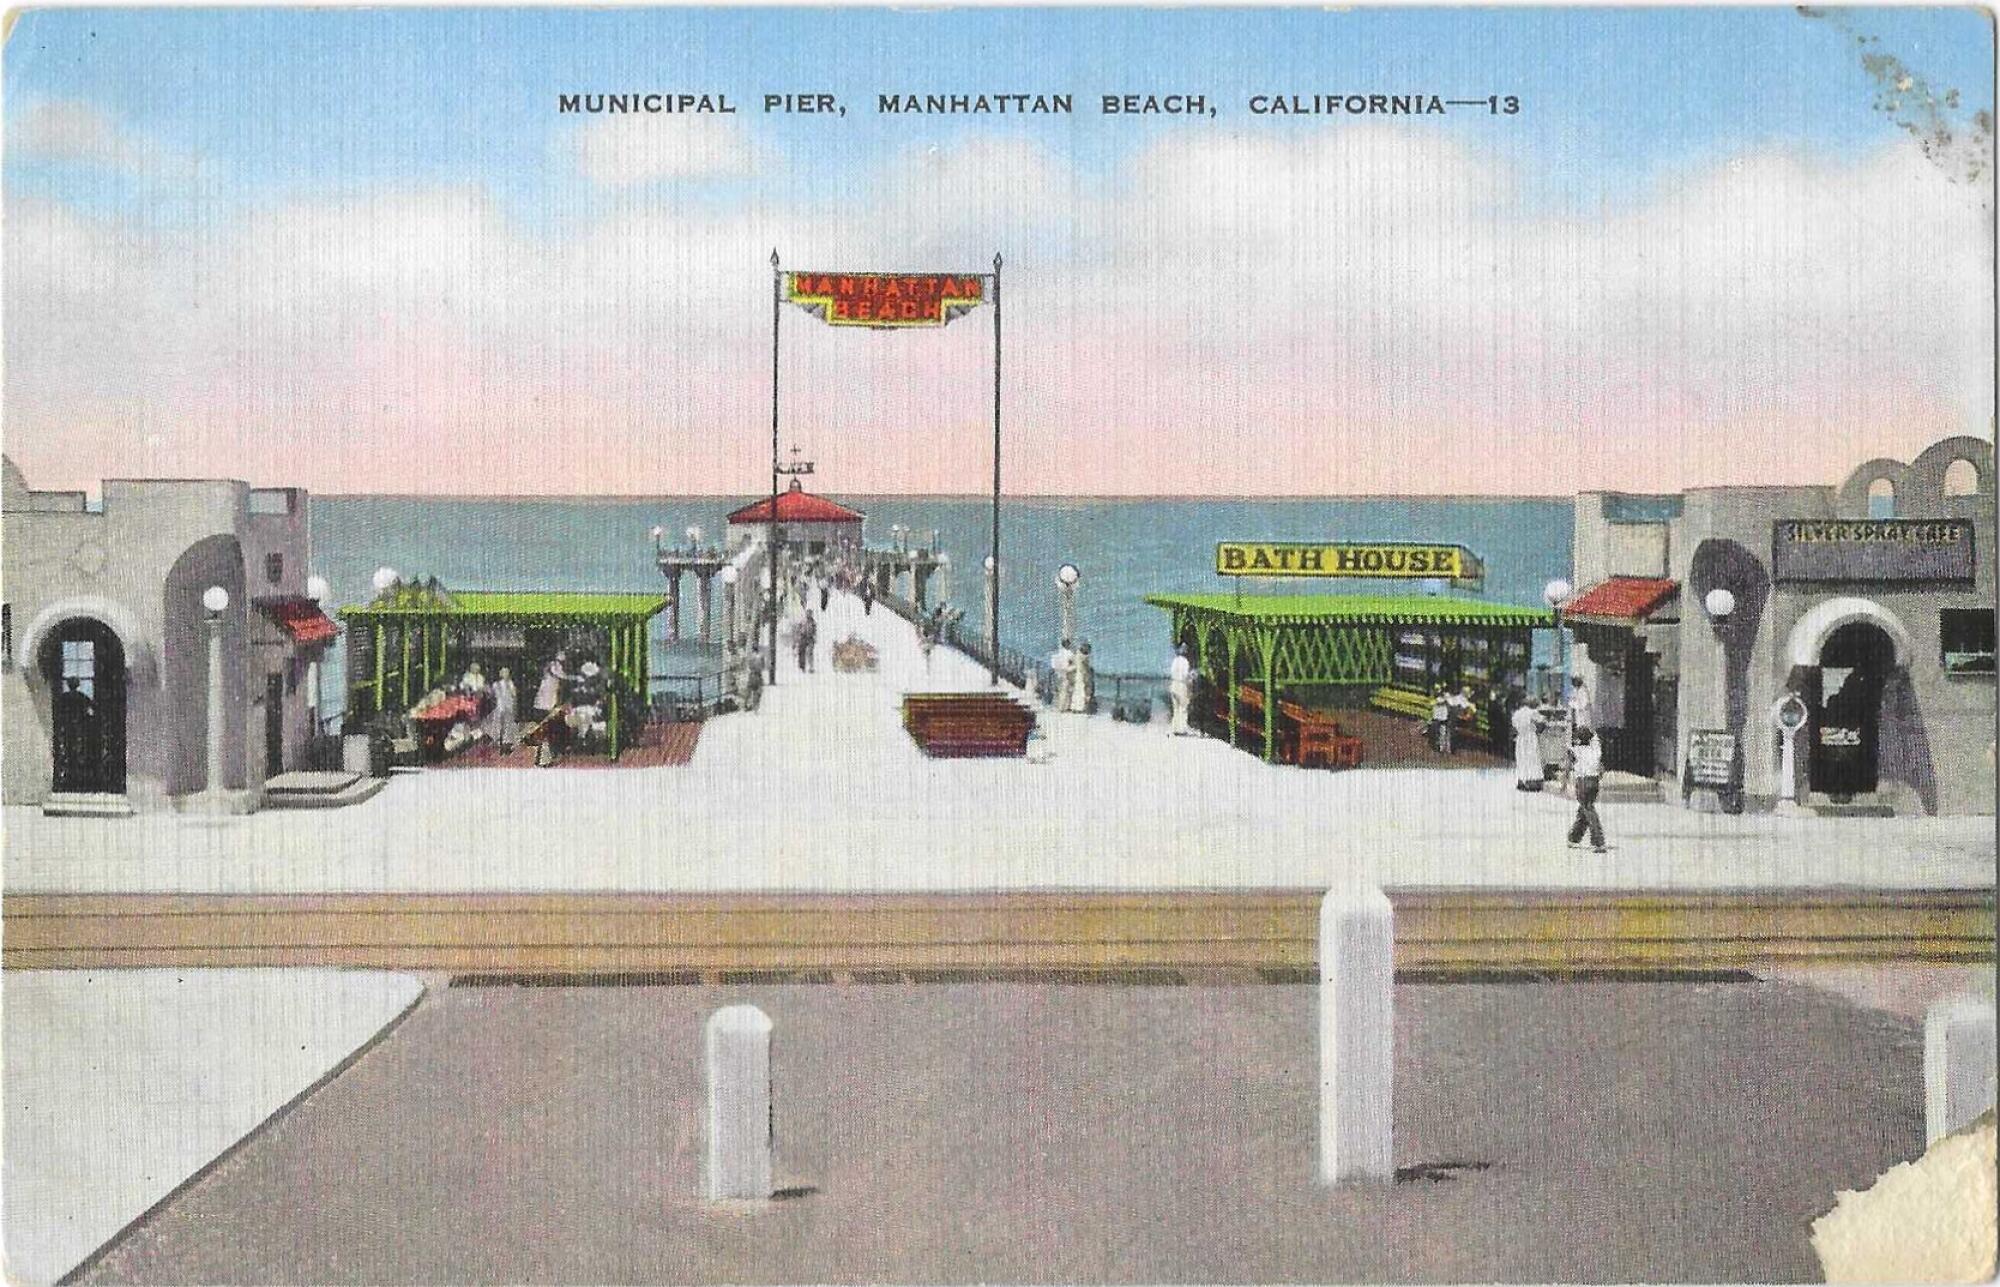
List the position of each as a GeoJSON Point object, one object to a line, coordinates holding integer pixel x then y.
{"type": "Point", "coordinates": [415, 635]}
{"type": "Point", "coordinates": [1324, 639]}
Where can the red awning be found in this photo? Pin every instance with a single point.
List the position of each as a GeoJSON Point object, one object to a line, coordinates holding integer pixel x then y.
{"type": "Point", "coordinates": [1623, 600]}
{"type": "Point", "coordinates": [300, 618]}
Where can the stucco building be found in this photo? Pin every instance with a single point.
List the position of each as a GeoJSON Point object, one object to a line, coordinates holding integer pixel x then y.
{"type": "Point", "coordinates": [1862, 614]}
{"type": "Point", "coordinates": [105, 695]}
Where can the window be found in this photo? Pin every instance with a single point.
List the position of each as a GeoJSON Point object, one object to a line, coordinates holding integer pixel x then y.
{"type": "Point", "coordinates": [1966, 640]}
{"type": "Point", "coordinates": [1961, 478]}
{"type": "Point", "coordinates": [79, 662]}
{"type": "Point", "coordinates": [274, 568]}
{"type": "Point", "coordinates": [1881, 499]}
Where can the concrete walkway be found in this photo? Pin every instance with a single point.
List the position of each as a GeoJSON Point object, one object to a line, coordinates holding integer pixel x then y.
{"type": "Point", "coordinates": [120, 1085]}
{"type": "Point", "coordinates": [821, 789]}
{"type": "Point", "coordinates": [1011, 1133]}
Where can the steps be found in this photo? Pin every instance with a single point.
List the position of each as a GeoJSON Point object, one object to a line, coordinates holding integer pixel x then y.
{"type": "Point", "coordinates": [87, 804]}
{"type": "Point", "coordinates": [319, 790]}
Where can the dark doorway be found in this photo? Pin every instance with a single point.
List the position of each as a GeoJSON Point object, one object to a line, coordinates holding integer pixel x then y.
{"type": "Point", "coordinates": [1845, 697]}
{"type": "Point", "coordinates": [1632, 749]}
{"type": "Point", "coordinates": [84, 665]}
{"type": "Point", "coordinates": [274, 724]}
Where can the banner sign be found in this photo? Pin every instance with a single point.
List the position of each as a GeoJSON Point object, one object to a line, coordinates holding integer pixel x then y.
{"type": "Point", "coordinates": [1711, 758]}
{"type": "Point", "coordinates": [1872, 549]}
{"type": "Point", "coordinates": [1380, 560]}
{"type": "Point", "coordinates": [886, 301]}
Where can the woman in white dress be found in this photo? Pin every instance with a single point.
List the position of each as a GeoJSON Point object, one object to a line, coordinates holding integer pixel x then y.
{"type": "Point", "coordinates": [1527, 724]}
{"type": "Point", "coordinates": [1083, 680]}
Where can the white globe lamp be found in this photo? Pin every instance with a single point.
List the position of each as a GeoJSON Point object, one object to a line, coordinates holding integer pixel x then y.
{"type": "Point", "coordinates": [728, 575]}
{"type": "Point", "coordinates": [317, 589]}
{"type": "Point", "coordinates": [215, 598]}
{"type": "Point", "coordinates": [1555, 592]}
{"type": "Point", "coordinates": [1720, 603]}
{"type": "Point", "coordinates": [989, 564]}
{"type": "Point", "coordinates": [385, 577]}
{"type": "Point", "coordinates": [1068, 575]}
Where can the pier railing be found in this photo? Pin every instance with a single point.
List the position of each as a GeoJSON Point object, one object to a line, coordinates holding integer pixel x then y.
{"type": "Point", "coordinates": [686, 698]}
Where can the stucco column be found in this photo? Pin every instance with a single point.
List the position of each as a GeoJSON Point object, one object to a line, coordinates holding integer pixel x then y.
{"type": "Point", "coordinates": [702, 622]}
{"type": "Point", "coordinates": [214, 784]}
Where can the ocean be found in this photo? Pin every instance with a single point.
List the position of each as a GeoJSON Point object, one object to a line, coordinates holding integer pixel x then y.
{"type": "Point", "coordinates": [1124, 548]}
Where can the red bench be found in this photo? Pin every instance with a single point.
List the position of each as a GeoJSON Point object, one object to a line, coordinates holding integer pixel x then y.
{"type": "Point", "coordinates": [968, 725]}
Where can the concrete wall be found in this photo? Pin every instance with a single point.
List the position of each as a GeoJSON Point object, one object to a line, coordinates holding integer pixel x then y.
{"type": "Point", "coordinates": [140, 566]}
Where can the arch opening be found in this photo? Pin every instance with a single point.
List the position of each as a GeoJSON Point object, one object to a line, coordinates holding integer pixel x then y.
{"type": "Point", "coordinates": [82, 661]}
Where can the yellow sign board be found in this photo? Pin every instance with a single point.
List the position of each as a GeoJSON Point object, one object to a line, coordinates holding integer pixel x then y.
{"type": "Point", "coordinates": [1383, 560]}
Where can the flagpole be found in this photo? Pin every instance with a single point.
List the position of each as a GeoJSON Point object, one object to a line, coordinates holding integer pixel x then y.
{"type": "Point", "coordinates": [993, 583]}
{"type": "Point", "coordinates": [771, 527]}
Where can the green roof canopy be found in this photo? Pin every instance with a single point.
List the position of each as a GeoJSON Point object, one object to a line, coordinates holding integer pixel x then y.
{"type": "Point", "coordinates": [554, 606]}
{"type": "Point", "coordinates": [1354, 609]}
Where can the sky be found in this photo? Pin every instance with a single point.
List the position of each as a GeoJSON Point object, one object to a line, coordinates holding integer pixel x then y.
{"type": "Point", "coordinates": [362, 250]}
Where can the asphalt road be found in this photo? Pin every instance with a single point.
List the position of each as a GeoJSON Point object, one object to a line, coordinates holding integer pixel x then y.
{"type": "Point", "coordinates": [1066, 1133]}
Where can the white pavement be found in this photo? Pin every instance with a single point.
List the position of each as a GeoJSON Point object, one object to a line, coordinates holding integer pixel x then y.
{"type": "Point", "coordinates": [821, 790]}
{"type": "Point", "coordinates": [121, 1084]}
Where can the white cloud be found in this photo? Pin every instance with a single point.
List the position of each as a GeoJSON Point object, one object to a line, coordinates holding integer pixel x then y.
{"type": "Point", "coordinates": [71, 130]}
{"type": "Point", "coordinates": [1341, 309]}
{"type": "Point", "coordinates": [629, 150]}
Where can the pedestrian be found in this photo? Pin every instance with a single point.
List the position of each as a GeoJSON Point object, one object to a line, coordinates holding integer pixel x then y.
{"type": "Point", "coordinates": [1083, 682]}
{"type": "Point", "coordinates": [548, 694]}
{"type": "Point", "coordinates": [1062, 665]}
{"type": "Point", "coordinates": [1463, 710]}
{"type": "Point", "coordinates": [825, 594]}
{"type": "Point", "coordinates": [1498, 733]}
{"type": "Point", "coordinates": [1586, 757]}
{"type": "Point", "coordinates": [1180, 674]}
{"type": "Point", "coordinates": [1579, 706]}
{"type": "Point", "coordinates": [1527, 723]}
{"type": "Point", "coordinates": [503, 726]}
{"type": "Point", "coordinates": [1440, 725]}
{"type": "Point", "coordinates": [808, 635]}
{"type": "Point", "coordinates": [867, 597]}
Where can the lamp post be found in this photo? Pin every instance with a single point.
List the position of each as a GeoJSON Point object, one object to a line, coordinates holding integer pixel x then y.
{"type": "Point", "coordinates": [992, 581]}
{"type": "Point", "coordinates": [694, 538]}
{"type": "Point", "coordinates": [1066, 578]}
{"type": "Point", "coordinates": [1719, 603]}
{"type": "Point", "coordinates": [216, 600]}
{"type": "Point", "coordinates": [728, 575]}
{"type": "Point", "coordinates": [319, 592]}
{"type": "Point", "coordinates": [1555, 594]}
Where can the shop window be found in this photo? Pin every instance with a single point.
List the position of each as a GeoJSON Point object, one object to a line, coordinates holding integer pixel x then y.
{"type": "Point", "coordinates": [1881, 499]}
{"type": "Point", "coordinates": [1961, 478]}
{"type": "Point", "coordinates": [1966, 640]}
{"type": "Point", "coordinates": [274, 568]}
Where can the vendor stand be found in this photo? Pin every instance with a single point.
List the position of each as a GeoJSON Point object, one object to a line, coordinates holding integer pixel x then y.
{"type": "Point", "coordinates": [418, 636]}
{"type": "Point", "coordinates": [1248, 649]}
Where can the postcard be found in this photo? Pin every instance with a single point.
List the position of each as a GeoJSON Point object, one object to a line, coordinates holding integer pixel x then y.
{"type": "Point", "coordinates": [980, 645]}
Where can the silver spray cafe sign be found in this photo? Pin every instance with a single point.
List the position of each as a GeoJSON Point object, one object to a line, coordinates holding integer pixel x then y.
{"type": "Point", "coordinates": [1872, 549]}
{"type": "Point", "coordinates": [1387, 560]}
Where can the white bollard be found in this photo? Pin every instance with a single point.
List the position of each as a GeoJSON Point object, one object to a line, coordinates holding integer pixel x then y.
{"type": "Point", "coordinates": [1958, 1063]}
{"type": "Point", "coordinates": [1357, 1035]}
{"type": "Point", "coordinates": [739, 1103]}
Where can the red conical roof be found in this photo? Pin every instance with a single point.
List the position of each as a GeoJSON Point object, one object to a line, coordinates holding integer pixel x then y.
{"type": "Point", "coordinates": [797, 506]}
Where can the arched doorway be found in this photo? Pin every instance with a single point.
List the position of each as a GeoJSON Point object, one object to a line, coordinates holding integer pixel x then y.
{"type": "Point", "coordinates": [83, 664]}
{"type": "Point", "coordinates": [1844, 697]}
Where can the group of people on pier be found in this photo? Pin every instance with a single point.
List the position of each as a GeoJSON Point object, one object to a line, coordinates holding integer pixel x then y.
{"type": "Point", "coordinates": [1072, 679]}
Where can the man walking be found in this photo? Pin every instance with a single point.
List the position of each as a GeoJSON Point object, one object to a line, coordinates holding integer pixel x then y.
{"type": "Point", "coordinates": [808, 636]}
{"type": "Point", "coordinates": [1586, 772]}
{"type": "Point", "coordinates": [867, 596]}
{"type": "Point", "coordinates": [1180, 676]}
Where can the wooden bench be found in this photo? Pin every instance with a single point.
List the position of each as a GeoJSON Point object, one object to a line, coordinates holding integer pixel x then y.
{"type": "Point", "coordinates": [968, 725]}
{"type": "Point", "coordinates": [1416, 703]}
{"type": "Point", "coordinates": [1318, 739]}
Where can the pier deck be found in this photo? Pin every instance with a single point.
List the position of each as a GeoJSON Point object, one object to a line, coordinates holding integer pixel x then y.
{"type": "Point", "coordinates": [822, 793]}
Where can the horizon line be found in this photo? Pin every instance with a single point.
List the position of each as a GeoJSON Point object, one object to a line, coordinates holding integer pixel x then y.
{"type": "Point", "coordinates": [609, 498]}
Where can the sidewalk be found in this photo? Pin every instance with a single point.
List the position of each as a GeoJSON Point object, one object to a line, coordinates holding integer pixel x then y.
{"type": "Point", "coordinates": [120, 1085]}
{"type": "Point", "coordinates": [822, 790]}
